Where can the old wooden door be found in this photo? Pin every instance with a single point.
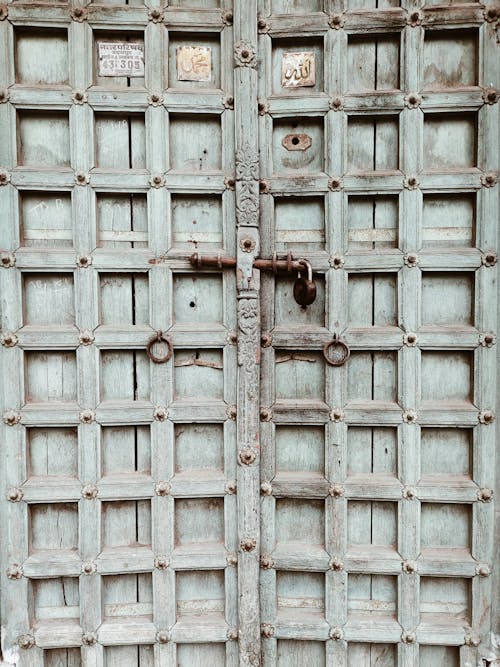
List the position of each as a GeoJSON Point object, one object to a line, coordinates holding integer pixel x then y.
{"type": "Point", "coordinates": [159, 514]}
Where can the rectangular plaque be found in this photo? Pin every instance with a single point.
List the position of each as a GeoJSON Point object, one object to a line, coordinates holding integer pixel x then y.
{"type": "Point", "coordinates": [194, 63]}
{"type": "Point", "coordinates": [298, 69]}
{"type": "Point", "coordinates": [121, 59]}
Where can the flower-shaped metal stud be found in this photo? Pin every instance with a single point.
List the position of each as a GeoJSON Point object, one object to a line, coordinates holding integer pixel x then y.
{"type": "Point", "coordinates": [486, 417]}
{"type": "Point", "coordinates": [4, 177]}
{"type": "Point", "coordinates": [7, 260]}
{"type": "Point", "coordinates": [489, 179]}
{"type": "Point", "coordinates": [161, 562]}
{"type": "Point", "coordinates": [231, 487]}
{"type": "Point", "coordinates": [89, 567]}
{"type": "Point", "coordinates": [487, 339]}
{"type": "Point", "coordinates": [14, 572]}
{"type": "Point", "coordinates": [86, 337]}
{"type": "Point", "coordinates": [232, 634]}
{"type": "Point", "coordinates": [266, 489]}
{"type": "Point", "coordinates": [491, 14]}
{"type": "Point", "coordinates": [162, 489]}
{"type": "Point", "coordinates": [79, 97]}
{"type": "Point", "coordinates": [489, 258]}
{"type": "Point", "coordinates": [485, 495]}
{"type": "Point", "coordinates": [336, 565]}
{"type": "Point", "coordinates": [472, 639]}
{"type": "Point", "coordinates": [336, 21]}
{"type": "Point", "coordinates": [244, 55]}
{"type": "Point", "coordinates": [14, 494]}
{"type": "Point", "coordinates": [336, 103]}
{"type": "Point", "coordinates": [11, 417]}
{"type": "Point", "coordinates": [411, 259]}
{"type": "Point", "coordinates": [266, 562]}
{"type": "Point", "coordinates": [79, 14]}
{"type": "Point", "coordinates": [410, 339]}
{"type": "Point", "coordinates": [163, 637]}
{"type": "Point", "coordinates": [4, 95]}
{"type": "Point", "coordinates": [160, 414]}
{"type": "Point", "coordinates": [336, 634]}
{"type": "Point", "coordinates": [409, 566]}
{"type": "Point", "coordinates": [337, 415]}
{"type": "Point", "coordinates": [413, 100]}
{"type": "Point", "coordinates": [157, 181]}
{"type": "Point", "coordinates": [414, 19]}
{"type": "Point", "coordinates": [4, 12]}
{"type": "Point", "coordinates": [408, 638]}
{"type": "Point", "coordinates": [262, 25]}
{"type": "Point", "coordinates": [81, 178]}
{"type": "Point", "coordinates": [26, 641]}
{"type": "Point", "coordinates": [89, 638]}
{"type": "Point", "coordinates": [227, 17]}
{"type": "Point", "coordinates": [248, 455]}
{"type": "Point", "coordinates": [267, 630]}
{"type": "Point", "coordinates": [408, 493]}
{"type": "Point", "coordinates": [155, 99]}
{"type": "Point", "coordinates": [264, 187]}
{"type": "Point", "coordinates": [232, 559]}
{"type": "Point", "coordinates": [411, 183]}
{"type": "Point", "coordinates": [337, 261]}
{"type": "Point", "coordinates": [228, 102]}
{"type": "Point", "coordinates": [248, 544]}
{"type": "Point", "coordinates": [335, 184]}
{"type": "Point", "coordinates": [87, 416]}
{"type": "Point", "coordinates": [490, 95]}
{"type": "Point", "coordinates": [90, 491]}
{"type": "Point", "coordinates": [409, 416]}
{"type": "Point", "coordinates": [83, 261]}
{"type": "Point", "coordinates": [231, 412]}
{"type": "Point", "coordinates": [155, 15]}
{"type": "Point", "coordinates": [336, 491]}
{"type": "Point", "coordinates": [9, 339]}
{"type": "Point", "coordinates": [262, 107]}
{"type": "Point", "coordinates": [266, 414]}
{"type": "Point", "coordinates": [483, 570]}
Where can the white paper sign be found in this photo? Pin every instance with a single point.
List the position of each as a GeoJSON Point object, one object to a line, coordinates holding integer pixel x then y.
{"type": "Point", "coordinates": [121, 59]}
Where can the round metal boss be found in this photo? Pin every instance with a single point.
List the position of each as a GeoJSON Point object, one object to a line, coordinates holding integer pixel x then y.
{"type": "Point", "coordinates": [159, 338]}
{"type": "Point", "coordinates": [336, 352]}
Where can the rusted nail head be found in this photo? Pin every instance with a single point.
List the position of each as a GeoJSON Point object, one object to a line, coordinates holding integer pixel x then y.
{"type": "Point", "coordinates": [78, 11]}
{"type": "Point", "coordinates": [245, 53]}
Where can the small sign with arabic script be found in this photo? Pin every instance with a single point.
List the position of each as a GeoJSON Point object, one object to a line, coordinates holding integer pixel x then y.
{"type": "Point", "coordinates": [298, 69]}
{"type": "Point", "coordinates": [121, 59]}
{"type": "Point", "coordinates": [194, 63]}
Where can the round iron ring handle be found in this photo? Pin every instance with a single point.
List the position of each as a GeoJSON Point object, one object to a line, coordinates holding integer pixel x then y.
{"type": "Point", "coordinates": [159, 338]}
{"type": "Point", "coordinates": [337, 345]}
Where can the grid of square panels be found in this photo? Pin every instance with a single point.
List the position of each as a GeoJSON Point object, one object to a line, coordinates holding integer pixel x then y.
{"type": "Point", "coordinates": [376, 486]}
{"type": "Point", "coordinates": [125, 468]}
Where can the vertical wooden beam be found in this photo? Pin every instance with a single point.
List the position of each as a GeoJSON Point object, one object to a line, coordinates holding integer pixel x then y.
{"type": "Point", "coordinates": [247, 219]}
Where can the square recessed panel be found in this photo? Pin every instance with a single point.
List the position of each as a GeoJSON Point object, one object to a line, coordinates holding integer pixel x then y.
{"type": "Point", "coordinates": [447, 298]}
{"type": "Point", "coordinates": [120, 141]}
{"type": "Point", "coordinates": [300, 450]}
{"type": "Point", "coordinates": [300, 375]}
{"type": "Point", "coordinates": [446, 451]}
{"type": "Point", "coordinates": [372, 376]}
{"type": "Point", "coordinates": [300, 594]}
{"type": "Point", "coordinates": [294, 653]}
{"type": "Point", "coordinates": [198, 299]}
{"type": "Point", "coordinates": [299, 223]}
{"type": "Point", "coordinates": [41, 56]}
{"type": "Point", "coordinates": [372, 449]}
{"type": "Point", "coordinates": [50, 376]}
{"type": "Point", "coordinates": [43, 139]}
{"type": "Point", "coordinates": [55, 599]}
{"type": "Point", "coordinates": [297, 66]}
{"type": "Point", "coordinates": [126, 523]}
{"type": "Point", "coordinates": [300, 521]}
{"type": "Point", "coordinates": [194, 61]}
{"type": "Point", "coordinates": [371, 597]}
{"type": "Point", "coordinates": [373, 62]}
{"type": "Point", "coordinates": [124, 298]}
{"type": "Point", "coordinates": [445, 600]}
{"type": "Point", "coordinates": [188, 655]}
{"type": "Point", "coordinates": [449, 220]}
{"type": "Point", "coordinates": [122, 220]}
{"type": "Point", "coordinates": [119, 59]}
{"type": "Point", "coordinates": [199, 374]}
{"type": "Point", "coordinates": [372, 523]}
{"type": "Point", "coordinates": [372, 299]}
{"type": "Point", "coordinates": [439, 655]}
{"type": "Point", "coordinates": [141, 655]}
{"type": "Point", "coordinates": [196, 221]}
{"type": "Point", "coordinates": [52, 452]}
{"type": "Point", "coordinates": [49, 299]}
{"type": "Point", "coordinates": [288, 313]}
{"type": "Point", "coordinates": [191, 440]}
{"type": "Point", "coordinates": [127, 596]}
{"type": "Point", "coordinates": [372, 143]}
{"type": "Point", "coordinates": [447, 377]}
{"type": "Point", "coordinates": [53, 526]}
{"type": "Point", "coordinates": [125, 375]}
{"type": "Point", "coordinates": [298, 146]}
{"type": "Point", "coordinates": [46, 219]}
{"type": "Point", "coordinates": [450, 59]}
{"type": "Point", "coordinates": [445, 526]}
{"type": "Point", "coordinates": [195, 143]}
{"type": "Point", "coordinates": [200, 593]}
{"type": "Point", "coordinates": [372, 222]}
{"type": "Point", "coordinates": [199, 521]}
{"type": "Point", "coordinates": [450, 141]}
{"type": "Point", "coordinates": [125, 449]}
{"type": "Point", "coordinates": [366, 655]}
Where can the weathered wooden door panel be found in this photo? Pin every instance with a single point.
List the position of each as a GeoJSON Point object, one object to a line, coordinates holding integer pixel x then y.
{"type": "Point", "coordinates": [144, 520]}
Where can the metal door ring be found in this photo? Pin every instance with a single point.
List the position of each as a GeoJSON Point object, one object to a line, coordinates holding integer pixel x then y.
{"type": "Point", "coordinates": [159, 338]}
{"type": "Point", "coordinates": [336, 352]}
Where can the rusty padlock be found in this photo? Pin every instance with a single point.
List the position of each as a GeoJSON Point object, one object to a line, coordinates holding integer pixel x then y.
{"type": "Point", "coordinates": [304, 289]}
